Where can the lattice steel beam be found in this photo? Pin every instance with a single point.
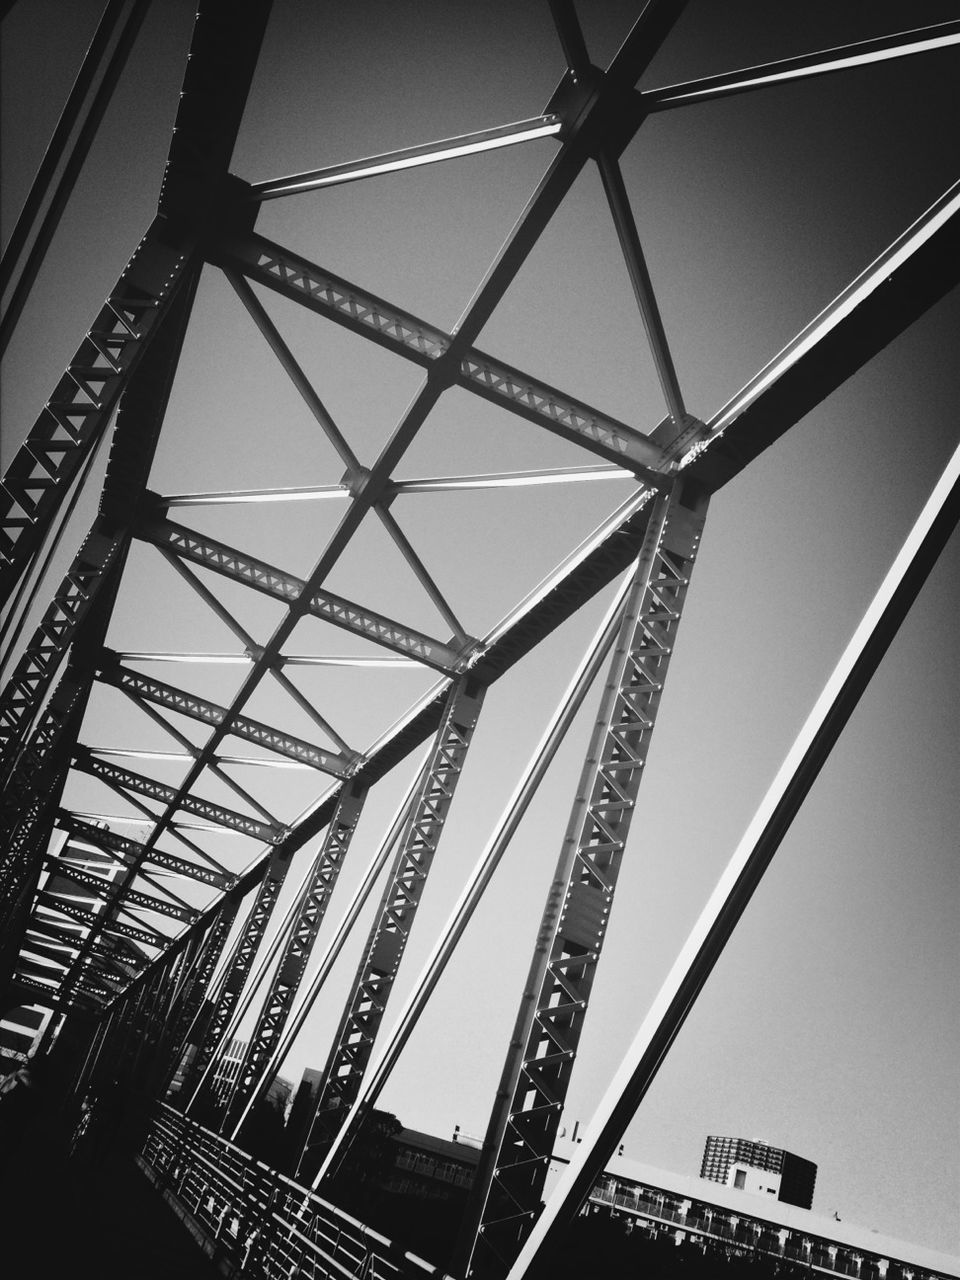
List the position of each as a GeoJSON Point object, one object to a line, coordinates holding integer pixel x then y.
{"type": "Point", "coordinates": [134, 851]}
{"type": "Point", "coordinates": [188, 1028]}
{"type": "Point", "coordinates": [144, 786]}
{"type": "Point", "coordinates": [197, 708]}
{"type": "Point", "coordinates": [237, 971]}
{"type": "Point", "coordinates": [101, 888]}
{"type": "Point", "coordinates": [90, 919]}
{"type": "Point", "coordinates": [23, 694]}
{"type": "Point", "coordinates": [935, 525]}
{"type": "Point", "coordinates": [523, 1124]}
{"type": "Point", "coordinates": [230, 563]}
{"type": "Point", "coordinates": [406, 880]}
{"type": "Point", "coordinates": [83, 400]}
{"type": "Point", "coordinates": [404, 334]}
{"type": "Point", "coordinates": [303, 934]}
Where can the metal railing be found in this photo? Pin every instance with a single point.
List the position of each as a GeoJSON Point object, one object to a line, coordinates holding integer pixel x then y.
{"type": "Point", "coordinates": [257, 1220]}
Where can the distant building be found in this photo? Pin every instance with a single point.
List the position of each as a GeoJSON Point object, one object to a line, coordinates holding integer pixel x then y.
{"type": "Point", "coordinates": [755, 1167]}
{"type": "Point", "coordinates": [430, 1168]}
{"type": "Point", "coordinates": [706, 1226]}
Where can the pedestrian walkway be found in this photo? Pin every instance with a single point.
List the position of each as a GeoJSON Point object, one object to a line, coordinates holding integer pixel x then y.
{"type": "Point", "coordinates": [90, 1211]}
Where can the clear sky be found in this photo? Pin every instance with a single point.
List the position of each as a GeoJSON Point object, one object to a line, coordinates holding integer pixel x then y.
{"type": "Point", "coordinates": [830, 1026]}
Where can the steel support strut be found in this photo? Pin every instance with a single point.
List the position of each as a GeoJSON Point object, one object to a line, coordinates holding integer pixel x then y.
{"type": "Point", "coordinates": [293, 962]}
{"type": "Point", "coordinates": [373, 983]}
{"type": "Point", "coordinates": [523, 1124]}
{"type": "Point", "coordinates": [743, 873]}
{"type": "Point", "coordinates": [239, 967]}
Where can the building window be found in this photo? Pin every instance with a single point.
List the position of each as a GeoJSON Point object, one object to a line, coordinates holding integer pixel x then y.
{"type": "Point", "coordinates": [740, 1178]}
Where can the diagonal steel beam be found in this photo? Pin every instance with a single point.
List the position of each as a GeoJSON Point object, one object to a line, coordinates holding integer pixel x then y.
{"type": "Point", "coordinates": [144, 786]}
{"type": "Point", "coordinates": [236, 975]}
{"type": "Point", "coordinates": [466, 144]}
{"type": "Point", "coordinates": [292, 964]}
{"type": "Point", "coordinates": [406, 880]}
{"type": "Point", "coordinates": [399, 331]}
{"type": "Point", "coordinates": [197, 708]}
{"type": "Point", "coordinates": [128, 849]}
{"type": "Point", "coordinates": [743, 873]}
{"type": "Point", "coordinates": [84, 399]}
{"type": "Point", "coordinates": [841, 58]}
{"type": "Point", "coordinates": [231, 563]}
{"type": "Point", "coordinates": [569, 941]}
{"type": "Point", "coordinates": [919, 268]}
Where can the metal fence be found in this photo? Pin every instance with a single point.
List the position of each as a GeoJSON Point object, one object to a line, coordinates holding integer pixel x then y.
{"type": "Point", "coordinates": [255, 1220]}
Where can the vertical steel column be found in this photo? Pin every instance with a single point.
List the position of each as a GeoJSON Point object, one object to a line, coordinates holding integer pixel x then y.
{"type": "Point", "coordinates": [296, 953]}
{"type": "Point", "coordinates": [722, 912]}
{"type": "Point", "coordinates": [523, 1124]}
{"type": "Point", "coordinates": [368, 997]}
{"type": "Point", "coordinates": [189, 1014]}
{"type": "Point", "coordinates": [237, 971]}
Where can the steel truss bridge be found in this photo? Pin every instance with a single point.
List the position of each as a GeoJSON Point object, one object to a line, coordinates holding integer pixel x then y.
{"type": "Point", "coordinates": [155, 980]}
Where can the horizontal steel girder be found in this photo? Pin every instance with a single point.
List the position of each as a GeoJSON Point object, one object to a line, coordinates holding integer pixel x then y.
{"type": "Point", "coordinates": [230, 563]}
{"type": "Point", "coordinates": [144, 786]}
{"type": "Point", "coordinates": [189, 704]}
{"type": "Point", "coordinates": [295, 278]}
{"type": "Point", "coordinates": [134, 897]}
{"type": "Point", "coordinates": [91, 919]}
{"type": "Point", "coordinates": [133, 851]}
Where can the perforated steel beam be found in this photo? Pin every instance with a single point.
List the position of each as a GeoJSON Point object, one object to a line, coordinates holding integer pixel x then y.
{"type": "Point", "coordinates": [303, 934]}
{"type": "Point", "coordinates": [236, 975]}
{"type": "Point", "coordinates": [84, 399]}
{"type": "Point", "coordinates": [543, 1046]}
{"type": "Point", "coordinates": [405, 335]}
{"type": "Point", "coordinates": [388, 937]}
{"type": "Point", "coordinates": [230, 563]}
{"type": "Point", "coordinates": [936, 523]}
{"type": "Point", "coordinates": [140, 785]}
{"type": "Point", "coordinates": [197, 708]}
{"type": "Point", "coordinates": [134, 851]}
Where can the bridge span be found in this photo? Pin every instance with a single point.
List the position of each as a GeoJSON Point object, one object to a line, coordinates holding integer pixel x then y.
{"type": "Point", "coordinates": [344, 566]}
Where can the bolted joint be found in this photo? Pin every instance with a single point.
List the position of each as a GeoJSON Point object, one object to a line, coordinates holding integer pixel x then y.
{"type": "Point", "coordinates": [356, 481]}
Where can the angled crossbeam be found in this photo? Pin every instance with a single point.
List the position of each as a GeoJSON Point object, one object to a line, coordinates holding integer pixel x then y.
{"type": "Point", "coordinates": [136, 782]}
{"type": "Point", "coordinates": [914, 272]}
{"type": "Point", "coordinates": [293, 961]}
{"type": "Point", "coordinates": [570, 936]}
{"type": "Point", "coordinates": [230, 563]}
{"type": "Point", "coordinates": [296, 278]}
{"type": "Point", "coordinates": [133, 850]}
{"type": "Point", "coordinates": [103, 887]}
{"type": "Point", "coordinates": [250, 648]}
{"type": "Point", "coordinates": [197, 708]}
{"type": "Point", "coordinates": [90, 919]}
{"type": "Point", "coordinates": [466, 144]}
{"type": "Point", "coordinates": [841, 58]}
{"type": "Point", "coordinates": [367, 1001]}
{"type": "Point", "coordinates": [739, 880]}
{"type": "Point", "coordinates": [636, 265]}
